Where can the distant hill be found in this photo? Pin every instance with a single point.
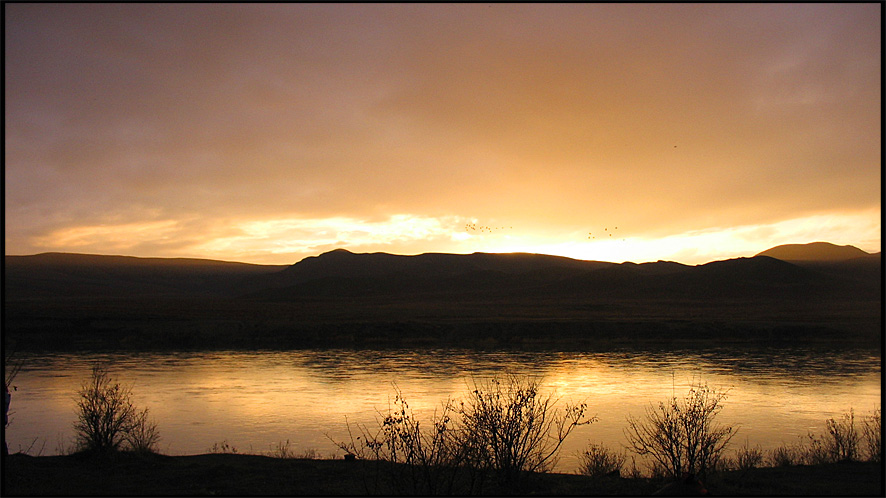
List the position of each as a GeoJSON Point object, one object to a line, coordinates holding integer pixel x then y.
{"type": "Point", "coordinates": [815, 251]}
{"type": "Point", "coordinates": [343, 273]}
{"type": "Point", "coordinates": [67, 274]}
{"type": "Point", "coordinates": [340, 299]}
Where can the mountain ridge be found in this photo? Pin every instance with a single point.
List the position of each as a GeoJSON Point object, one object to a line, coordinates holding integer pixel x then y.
{"type": "Point", "coordinates": [344, 273]}
{"type": "Point", "coordinates": [814, 251]}
{"type": "Point", "coordinates": [343, 299]}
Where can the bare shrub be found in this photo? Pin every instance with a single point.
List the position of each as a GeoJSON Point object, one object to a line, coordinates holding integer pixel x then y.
{"type": "Point", "coordinates": [634, 472]}
{"type": "Point", "coordinates": [839, 443]}
{"type": "Point", "coordinates": [285, 450]}
{"type": "Point", "coordinates": [681, 435]}
{"type": "Point", "coordinates": [309, 454]}
{"type": "Point", "coordinates": [106, 412]}
{"type": "Point", "coordinates": [11, 368]}
{"type": "Point", "coordinates": [501, 428]}
{"type": "Point", "coordinates": [408, 458]}
{"type": "Point", "coordinates": [843, 440]}
{"type": "Point", "coordinates": [107, 419]}
{"type": "Point", "coordinates": [515, 428]}
{"type": "Point", "coordinates": [747, 458]}
{"type": "Point", "coordinates": [870, 432]}
{"type": "Point", "coordinates": [597, 461]}
{"type": "Point", "coordinates": [223, 448]}
{"type": "Point", "coordinates": [282, 450]}
{"type": "Point", "coordinates": [142, 435]}
{"type": "Point", "coordinates": [815, 451]}
{"type": "Point", "coordinates": [783, 456]}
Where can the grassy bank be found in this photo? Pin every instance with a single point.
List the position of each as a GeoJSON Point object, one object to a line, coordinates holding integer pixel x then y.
{"type": "Point", "coordinates": [227, 474]}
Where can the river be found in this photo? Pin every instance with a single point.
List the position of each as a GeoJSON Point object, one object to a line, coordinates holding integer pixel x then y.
{"type": "Point", "coordinates": [255, 400]}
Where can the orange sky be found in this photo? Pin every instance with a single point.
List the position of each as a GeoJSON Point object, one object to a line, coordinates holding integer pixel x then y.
{"type": "Point", "coordinates": [267, 133]}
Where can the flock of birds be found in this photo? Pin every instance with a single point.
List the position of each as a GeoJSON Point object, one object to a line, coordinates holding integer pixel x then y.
{"type": "Point", "coordinates": [591, 235]}
{"type": "Point", "coordinates": [473, 227]}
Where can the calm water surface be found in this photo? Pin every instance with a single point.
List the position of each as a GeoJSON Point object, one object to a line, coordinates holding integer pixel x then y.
{"type": "Point", "coordinates": [255, 400]}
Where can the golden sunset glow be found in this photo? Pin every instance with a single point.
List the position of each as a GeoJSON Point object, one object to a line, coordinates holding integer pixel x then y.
{"type": "Point", "coordinates": [267, 133]}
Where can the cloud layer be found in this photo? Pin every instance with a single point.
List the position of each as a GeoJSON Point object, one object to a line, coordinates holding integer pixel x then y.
{"type": "Point", "coordinates": [173, 129]}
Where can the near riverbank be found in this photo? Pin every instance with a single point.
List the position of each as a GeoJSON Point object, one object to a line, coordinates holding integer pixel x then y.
{"type": "Point", "coordinates": [230, 474]}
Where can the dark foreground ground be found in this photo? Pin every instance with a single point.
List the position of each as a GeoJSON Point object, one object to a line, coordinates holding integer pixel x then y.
{"type": "Point", "coordinates": [226, 474]}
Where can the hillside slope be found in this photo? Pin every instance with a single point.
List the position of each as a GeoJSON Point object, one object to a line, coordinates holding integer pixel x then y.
{"type": "Point", "coordinates": [66, 274]}
{"type": "Point", "coordinates": [342, 299]}
{"type": "Point", "coordinates": [815, 251]}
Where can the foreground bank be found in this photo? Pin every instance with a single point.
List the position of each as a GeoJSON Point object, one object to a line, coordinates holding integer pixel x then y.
{"type": "Point", "coordinates": [228, 474]}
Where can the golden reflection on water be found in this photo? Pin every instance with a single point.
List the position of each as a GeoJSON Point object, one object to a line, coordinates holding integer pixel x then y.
{"type": "Point", "coordinates": [256, 400]}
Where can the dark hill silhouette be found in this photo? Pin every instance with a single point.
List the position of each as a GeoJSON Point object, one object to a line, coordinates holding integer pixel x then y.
{"type": "Point", "coordinates": [815, 251]}
{"type": "Point", "coordinates": [347, 273]}
{"type": "Point", "coordinates": [345, 263]}
{"type": "Point", "coordinates": [66, 274]}
{"type": "Point", "coordinates": [342, 273]}
{"type": "Point", "coordinates": [342, 298]}
{"type": "Point", "coordinates": [843, 262]}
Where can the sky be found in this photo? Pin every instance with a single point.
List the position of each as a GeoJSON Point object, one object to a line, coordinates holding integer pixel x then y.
{"type": "Point", "coordinates": [267, 133]}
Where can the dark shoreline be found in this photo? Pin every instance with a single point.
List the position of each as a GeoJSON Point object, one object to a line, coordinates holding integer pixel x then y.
{"type": "Point", "coordinates": [229, 474]}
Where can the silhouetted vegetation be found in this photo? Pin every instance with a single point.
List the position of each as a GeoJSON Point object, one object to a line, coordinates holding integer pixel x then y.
{"type": "Point", "coordinates": [598, 461]}
{"type": "Point", "coordinates": [681, 435]}
{"type": "Point", "coordinates": [107, 419]}
{"type": "Point", "coordinates": [871, 436]}
{"type": "Point", "coordinates": [841, 441]}
{"type": "Point", "coordinates": [501, 430]}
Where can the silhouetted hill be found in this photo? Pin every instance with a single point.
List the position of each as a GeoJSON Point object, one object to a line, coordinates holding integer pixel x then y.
{"type": "Point", "coordinates": [815, 251]}
{"type": "Point", "coordinates": [345, 263]}
{"type": "Point", "coordinates": [844, 262]}
{"type": "Point", "coordinates": [65, 274]}
{"type": "Point", "coordinates": [342, 273]}
{"type": "Point", "coordinates": [342, 299]}
{"type": "Point", "coordinates": [345, 273]}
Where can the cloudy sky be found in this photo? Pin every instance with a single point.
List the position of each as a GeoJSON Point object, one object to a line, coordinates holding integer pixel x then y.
{"type": "Point", "coordinates": [267, 133]}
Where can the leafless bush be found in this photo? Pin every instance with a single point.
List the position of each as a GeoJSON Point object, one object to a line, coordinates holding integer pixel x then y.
{"type": "Point", "coordinates": [815, 451]}
{"type": "Point", "coordinates": [106, 412]}
{"type": "Point", "coordinates": [309, 454]}
{"type": "Point", "coordinates": [784, 456]}
{"type": "Point", "coordinates": [142, 435]}
{"type": "Point", "coordinates": [870, 432]}
{"type": "Point", "coordinates": [843, 441]}
{"type": "Point", "coordinates": [681, 435]}
{"type": "Point", "coordinates": [223, 448]}
{"type": "Point", "coordinates": [515, 427]}
{"type": "Point", "coordinates": [407, 458]}
{"type": "Point", "coordinates": [500, 428]}
{"type": "Point", "coordinates": [11, 368]}
{"type": "Point", "coordinates": [634, 472]}
{"type": "Point", "coordinates": [597, 461]}
{"type": "Point", "coordinates": [107, 418]}
{"type": "Point", "coordinates": [839, 443]}
{"type": "Point", "coordinates": [282, 450]}
{"type": "Point", "coordinates": [747, 458]}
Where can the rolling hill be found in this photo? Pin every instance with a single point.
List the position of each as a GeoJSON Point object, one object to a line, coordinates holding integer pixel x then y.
{"type": "Point", "coordinates": [341, 297]}
{"type": "Point", "coordinates": [815, 251]}
{"type": "Point", "coordinates": [87, 275]}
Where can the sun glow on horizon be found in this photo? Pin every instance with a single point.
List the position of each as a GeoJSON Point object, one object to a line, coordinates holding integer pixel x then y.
{"type": "Point", "coordinates": [287, 240]}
